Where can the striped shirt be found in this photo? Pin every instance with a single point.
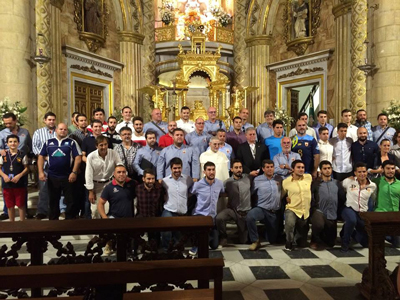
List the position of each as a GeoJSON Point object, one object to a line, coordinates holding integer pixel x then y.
{"type": "Point", "coordinates": [40, 137]}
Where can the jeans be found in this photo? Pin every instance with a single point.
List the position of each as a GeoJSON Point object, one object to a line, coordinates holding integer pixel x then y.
{"type": "Point", "coordinates": [323, 230]}
{"type": "Point", "coordinates": [229, 214]}
{"type": "Point", "coordinates": [271, 224]}
{"type": "Point", "coordinates": [292, 223]}
{"type": "Point", "coordinates": [56, 186]}
{"type": "Point", "coordinates": [43, 204]}
{"type": "Point", "coordinates": [394, 240]}
{"type": "Point", "coordinates": [352, 221]}
{"type": "Point", "coordinates": [166, 236]}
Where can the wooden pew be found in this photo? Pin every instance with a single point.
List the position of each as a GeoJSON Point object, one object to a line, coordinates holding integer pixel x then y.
{"type": "Point", "coordinates": [376, 283]}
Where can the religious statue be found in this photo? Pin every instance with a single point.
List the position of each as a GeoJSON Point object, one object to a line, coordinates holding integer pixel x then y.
{"type": "Point", "coordinates": [237, 98]}
{"type": "Point", "coordinates": [93, 15]}
{"type": "Point", "coordinates": [300, 14]}
{"type": "Point", "coordinates": [200, 6]}
{"type": "Point", "coordinates": [199, 111]}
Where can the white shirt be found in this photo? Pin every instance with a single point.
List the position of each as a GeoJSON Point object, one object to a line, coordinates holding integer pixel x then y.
{"type": "Point", "coordinates": [187, 126]}
{"type": "Point", "coordinates": [351, 132]}
{"type": "Point", "coordinates": [124, 124]}
{"type": "Point", "coordinates": [221, 163]}
{"type": "Point", "coordinates": [355, 198]}
{"type": "Point", "coordinates": [309, 131]}
{"type": "Point", "coordinates": [341, 154]}
{"type": "Point", "coordinates": [325, 151]}
{"type": "Point", "coordinates": [100, 169]}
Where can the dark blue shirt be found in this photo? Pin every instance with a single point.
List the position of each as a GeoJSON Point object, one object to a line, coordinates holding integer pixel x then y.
{"type": "Point", "coordinates": [364, 153]}
{"type": "Point", "coordinates": [120, 198]}
{"type": "Point", "coordinates": [306, 146]}
{"type": "Point", "coordinates": [61, 154]}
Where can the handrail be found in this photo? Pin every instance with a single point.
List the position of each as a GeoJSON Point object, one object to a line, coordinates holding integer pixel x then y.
{"type": "Point", "coordinates": [309, 98]}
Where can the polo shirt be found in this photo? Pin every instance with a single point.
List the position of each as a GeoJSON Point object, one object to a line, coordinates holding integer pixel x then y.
{"type": "Point", "coordinates": [326, 197]}
{"type": "Point", "coordinates": [284, 159]}
{"type": "Point", "coordinates": [377, 132]}
{"type": "Point", "coordinates": [120, 198]}
{"type": "Point", "coordinates": [264, 132]}
{"type": "Point", "coordinates": [200, 141]}
{"type": "Point", "coordinates": [211, 127]}
{"type": "Point", "coordinates": [388, 194]}
{"type": "Point", "coordinates": [207, 197]}
{"type": "Point", "coordinates": [357, 198]}
{"type": "Point", "coordinates": [177, 193]}
{"type": "Point", "coordinates": [268, 191]}
{"type": "Point", "coordinates": [89, 144]}
{"type": "Point", "coordinates": [61, 155]}
{"type": "Point", "coordinates": [274, 145]}
{"type": "Point", "coordinates": [160, 129]}
{"type": "Point", "coordinates": [299, 192]}
{"type": "Point", "coordinates": [244, 127]}
{"type": "Point", "coordinates": [306, 146]}
{"type": "Point", "coordinates": [238, 190]}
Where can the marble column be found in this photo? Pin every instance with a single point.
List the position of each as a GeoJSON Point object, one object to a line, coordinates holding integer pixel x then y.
{"type": "Point", "coordinates": [131, 56]}
{"type": "Point", "coordinates": [258, 49]}
{"type": "Point", "coordinates": [385, 53]}
{"type": "Point", "coordinates": [342, 13]}
{"type": "Point", "coordinates": [359, 11]}
{"type": "Point", "coordinates": [16, 49]}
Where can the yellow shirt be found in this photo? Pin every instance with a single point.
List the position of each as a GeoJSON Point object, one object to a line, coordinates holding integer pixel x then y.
{"type": "Point", "coordinates": [299, 192]}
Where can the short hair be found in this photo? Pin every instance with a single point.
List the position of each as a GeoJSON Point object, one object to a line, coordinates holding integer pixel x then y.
{"type": "Point", "coordinates": [342, 125]}
{"type": "Point", "coordinates": [237, 118]}
{"type": "Point", "coordinates": [269, 112]}
{"type": "Point", "coordinates": [98, 109]}
{"type": "Point", "coordinates": [49, 114]}
{"type": "Point", "coordinates": [120, 165]}
{"type": "Point", "coordinates": [250, 129]}
{"type": "Point", "coordinates": [208, 164]}
{"type": "Point", "coordinates": [184, 108]}
{"type": "Point", "coordinates": [137, 118]}
{"type": "Point", "coordinates": [125, 128]}
{"type": "Point", "coordinates": [302, 114]}
{"type": "Point", "coordinates": [110, 118]}
{"type": "Point", "coordinates": [125, 107]}
{"type": "Point", "coordinates": [395, 137]}
{"type": "Point", "coordinates": [74, 113]}
{"type": "Point", "coordinates": [322, 112]}
{"type": "Point", "coordinates": [101, 139]}
{"type": "Point", "coordinates": [150, 132]}
{"type": "Point", "coordinates": [214, 138]}
{"type": "Point", "coordinates": [346, 110]}
{"type": "Point", "coordinates": [12, 136]}
{"type": "Point", "coordinates": [388, 162]}
{"type": "Point", "coordinates": [384, 140]}
{"type": "Point", "coordinates": [323, 163]}
{"type": "Point", "coordinates": [96, 121]}
{"type": "Point", "coordinates": [148, 171]}
{"type": "Point", "coordinates": [382, 114]}
{"type": "Point", "coordinates": [362, 109]}
{"type": "Point", "coordinates": [266, 162]}
{"type": "Point", "coordinates": [297, 161]}
{"type": "Point", "coordinates": [275, 122]}
{"type": "Point", "coordinates": [10, 115]}
{"type": "Point", "coordinates": [360, 164]}
{"type": "Point", "coordinates": [178, 129]}
{"type": "Point", "coordinates": [236, 161]}
{"type": "Point", "coordinates": [221, 130]}
{"type": "Point", "coordinates": [322, 128]}
{"type": "Point", "coordinates": [80, 115]}
{"type": "Point", "coordinates": [175, 161]}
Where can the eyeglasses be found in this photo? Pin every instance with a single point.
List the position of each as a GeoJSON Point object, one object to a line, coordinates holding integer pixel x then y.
{"type": "Point", "coordinates": [212, 112]}
{"type": "Point", "coordinates": [200, 123]}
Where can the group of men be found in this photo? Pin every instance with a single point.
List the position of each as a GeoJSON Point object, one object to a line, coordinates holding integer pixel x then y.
{"type": "Point", "coordinates": [314, 176]}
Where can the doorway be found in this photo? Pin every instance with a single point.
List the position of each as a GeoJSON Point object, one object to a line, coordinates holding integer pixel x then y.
{"type": "Point", "coordinates": [305, 98]}
{"type": "Point", "coordinates": [88, 97]}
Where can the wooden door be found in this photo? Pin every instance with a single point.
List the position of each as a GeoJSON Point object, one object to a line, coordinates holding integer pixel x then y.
{"type": "Point", "coordinates": [87, 98]}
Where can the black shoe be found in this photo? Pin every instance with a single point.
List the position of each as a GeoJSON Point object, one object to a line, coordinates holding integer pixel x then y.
{"type": "Point", "coordinates": [3, 217]}
{"type": "Point", "coordinates": [29, 216]}
{"type": "Point", "coordinates": [289, 246]}
{"type": "Point", "coordinates": [40, 216]}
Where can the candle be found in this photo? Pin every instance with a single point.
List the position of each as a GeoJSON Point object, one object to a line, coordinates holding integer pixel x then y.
{"type": "Point", "coordinates": [166, 100]}
{"type": "Point", "coordinates": [245, 97]}
{"type": "Point", "coordinates": [156, 96]}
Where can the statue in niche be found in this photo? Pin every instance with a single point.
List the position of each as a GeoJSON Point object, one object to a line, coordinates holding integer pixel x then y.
{"type": "Point", "coordinates": [237, 99]}
{"type": "Point", "coordinates": [300, 15]}
{"type": "Point", "coordinates": [93, 17]}
{"type": "Point", "coordinates": [199, 6]}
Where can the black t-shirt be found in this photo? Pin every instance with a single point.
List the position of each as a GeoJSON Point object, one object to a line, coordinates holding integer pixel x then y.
{"type": "Point", "coordinates": [89, 145]}
{"type": "Point", "coordinates": [120, 198]}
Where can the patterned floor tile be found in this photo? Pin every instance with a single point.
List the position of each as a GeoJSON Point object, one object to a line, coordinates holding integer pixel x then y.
{"type": "Point", "coordinates": [236, 295]}
{"type": "Point", "coordinates": [300, 253]}
{"type": "Point", "coordinates": [359, 267]}
{"type": "Point", "coordinates": [350, 253]}
{"type": "Point", "coordinates": [390, 251]}
{"type": "Point", "coordinates": [227, 275]}
{"type": "Point", "coordinates": [344, 293]}
{"type": "Point", "coordinates": [273, 272]}
{"type": "Point", "coordinates": [292, 294]}
{"type": "Point", "coordinates": [261, 254]}
{"type": "Point", "coordinates": [321, 271]}
{"type": "Point", "coordinates": [215, 254]}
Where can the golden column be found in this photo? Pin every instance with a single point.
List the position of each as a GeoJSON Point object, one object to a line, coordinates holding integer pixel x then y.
{"type": "Point", "coordinates": [359, 11]}
{"type": "Point", "coordinates": [239, 46]}
{"type": "Point", "coordinates": [342, 13]}
{"type": "Point", "coordinates": [131, 55]}
{"type": "Point", "coordinates": [16, 49]}
{"type": "Point", "coordinates": [385, 53]}
{"type": "Point", "coordinates": [258, 76]}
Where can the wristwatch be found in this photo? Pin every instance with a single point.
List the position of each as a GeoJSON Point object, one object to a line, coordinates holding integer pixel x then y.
{"type": "Point", "coordinates": [76, 173]}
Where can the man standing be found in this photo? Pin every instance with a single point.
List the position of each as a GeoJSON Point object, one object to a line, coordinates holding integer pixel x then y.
{"type": "Point", "coordinates": [212, 125]}
{"type": "Point", "coordinates": [274, 142]}
{"type": "Point", "coordinates": [265, 130]}
{"type": "Point", "coordinates": [325, 199]}
{"type": "Point", "coordinates": [283, 161]}
{"type": "Point", "coordinates": [188, 155]}
{"type": "Point", "coordinates": [64, 157]}
{"type": "Point", "coordinates": [239, 203]}
{"type": "Point", "coordinates": [237, 136]}
{"type": "Point", "coordinates": [177, 187]}
{"type": "Point", "coordinates": [114, 138]}
{"type": "Point", "coordinates": [198, 138]}
{"type": "Point", "coordinates": [138, 133]}
{"type": "Point", "coordinates": [325, 148]}
{"type": "Point", "coordinates": [127, 150]}
{"type": "Point", "coordinates": [307, 147]}
{"type": "Point", "coordinates": [243, 115]}
{"type": "Point", "coordinates": [268, 189]}
{"type": "Point", "coordinates": [251, 153]}
{"type": "Point", "coordinates": [156, 124]}
{"type": "Point", "coordinates": [99, 114]}
{"type": "Point", "coordinates": [89, 142]}
{"type": "Point", "coordinates": [126, 112]}
{"type": "Point", "coordinates": [168, 139]}
{"type": "Point", "coordinates": [184, 122]}
{"type": "Point", "coordinates": [358, 191]}
{"type": "Point", "coordinates": [147, 157]}
{"type": "Point", "coordinates": [74, 125]}
{"type": "Point", "coordinates": [150, 196]}
{"type": "Point", "coordinates": [100, 166]}
{"type": "Point", "coordinates": [362, 122]}
{"type": "Point", "coordinates": [322, 117]}
{"type": "Point", "coordinates": [342, 166]}
{"type": "Point", "coordinates": [364, 150]}
{"type": "Point", "coordinates": [298, 188]}
{"type": "Point", "coordinates": [81, 132]}
{"type": "Point", "coordinates": [218, 158]}
{"type": "Point", "coordinates": [383, 131]}
{"type": "Point", "coordinates": [309, 130]}
{"type": "Point", "coordinates": [351, 129]}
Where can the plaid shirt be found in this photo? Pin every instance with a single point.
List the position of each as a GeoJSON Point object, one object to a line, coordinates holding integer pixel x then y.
{"type": "Point", "coordinates": [128, 155]}
{"type": "Point", "coordinates": [368, 126]}
{"type": "Point", "coordinates": [149, 202]}
{"type": "Point", "coordinates": [78, 136]}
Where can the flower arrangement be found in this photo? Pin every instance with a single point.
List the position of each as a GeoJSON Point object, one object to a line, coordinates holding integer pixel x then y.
{"type": "Point", "coordinates": [280, 114]}
{"type": "Point", "coordinates": [16, 108]}
{"type": "Point", "coordinates": [167, 13]}
{"type": "Point", "coordinates": [393, 112]}
{"type": "Point", "coordinates": [225, 19]}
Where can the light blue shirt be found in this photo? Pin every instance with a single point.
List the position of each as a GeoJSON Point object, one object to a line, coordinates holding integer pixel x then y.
{"type": "Point", "coordinates": [40, 137]}
{"type": "Point", "coordinates": [227, 150]}
{"type": "Point", "coordinates": [200, 141]}
{"type": "Point", "coordinates": [162, 125]}
{"type": "Point", "coordinates": [244, 127]}
{"type": "Point", "coordinates": [377, 131]}
{"type": "Point", "coordinates": [145, 153]}
{"type": "Point", "coordinates": [264, 131]}
{"type": "Point", "coordinates": [367, 126]}
{"type": "Point", "coordinates": [274, 145]}
{"type": "Point", "coordinates": [268, 191]}
{"type": "Point", "coordinates": [190, 160]}
{"type": "Point", "coordinates": [283, 159]}
{"type": "Point", "coordinates": [212, 127]}
{"type": "Point", "coordinates": [327, 125]}
{"type": "Point", "coordinates": [207, 197]}
{"type": "Point", "coordinates": [25, 142]}
{"type": "Point", "coordinates": [177, 193]}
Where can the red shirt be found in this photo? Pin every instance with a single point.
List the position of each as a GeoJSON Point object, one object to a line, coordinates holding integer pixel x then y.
{"type": "Point", "coordinates": [167, 140]}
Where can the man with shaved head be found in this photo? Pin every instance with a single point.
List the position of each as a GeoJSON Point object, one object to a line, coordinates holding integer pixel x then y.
{"type": "Point", "coordinates": [364, 150]}
{"type": "Point", "coordinates": [156, 124]}
{"type": "Point", "coordinates": [212, 125]}
{"type": "Point", "coordinates": [64, 157]}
